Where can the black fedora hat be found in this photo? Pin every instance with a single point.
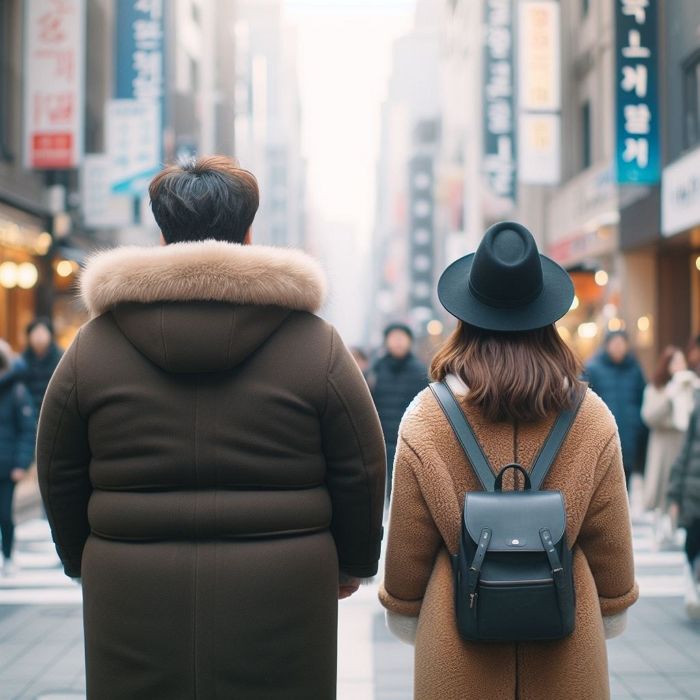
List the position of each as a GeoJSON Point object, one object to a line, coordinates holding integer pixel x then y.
{"type": "Point", "coordinates": [507, 285]}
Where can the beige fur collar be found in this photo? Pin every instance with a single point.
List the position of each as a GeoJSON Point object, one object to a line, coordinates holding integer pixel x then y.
{"type": "Point", "coordinates": [203, 271]}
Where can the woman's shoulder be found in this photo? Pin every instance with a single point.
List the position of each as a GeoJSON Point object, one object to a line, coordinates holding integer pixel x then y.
{"type": "Point", "coordinates": [596, 418]}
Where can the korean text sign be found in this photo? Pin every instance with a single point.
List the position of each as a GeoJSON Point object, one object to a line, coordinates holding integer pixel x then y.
{"type": "Point", "coordinates": [499, 148]}
{"type": "Point", "coordinates": [54, 77]}
{"type": "Point", "coordinates": [134, 139]}
{"type": "Point", "coordinates": [637, 111]}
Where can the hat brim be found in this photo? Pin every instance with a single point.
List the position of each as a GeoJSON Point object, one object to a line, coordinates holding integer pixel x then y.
{"type": "Point", "coordinates": [552, 303]}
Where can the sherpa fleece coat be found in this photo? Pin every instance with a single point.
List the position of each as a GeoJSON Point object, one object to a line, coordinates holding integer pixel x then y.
{"type": "Point", "coordinates": [209, 458]}
{"type": "Point", "coordinates": [431, 477]}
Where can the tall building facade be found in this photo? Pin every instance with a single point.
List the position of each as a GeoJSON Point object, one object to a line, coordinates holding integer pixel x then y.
{"type": "Point", "coordinates": [407, 253]}
{"type": "Point", "coordinates": [268, 120]}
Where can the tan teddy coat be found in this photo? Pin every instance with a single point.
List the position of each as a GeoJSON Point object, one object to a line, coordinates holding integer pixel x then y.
{"type": "Point", "coordinates": [431, 477]}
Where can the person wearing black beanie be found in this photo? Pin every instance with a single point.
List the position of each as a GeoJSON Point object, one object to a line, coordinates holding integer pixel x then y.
{"type": "Point", "coordinates": [398, 377]}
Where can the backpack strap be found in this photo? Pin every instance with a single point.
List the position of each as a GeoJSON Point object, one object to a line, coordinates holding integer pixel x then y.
{"type": "Point", "coordinates": [554, 441]}
{"type": "Point", "coordinates": [460, 425]}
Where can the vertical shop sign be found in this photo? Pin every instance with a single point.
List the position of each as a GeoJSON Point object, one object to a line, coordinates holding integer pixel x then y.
{"type": "Point", "coordinates": [539, 92]}
{"type": "Point", "coordinates": [499, 148]}
{"type": "Point", "coordinates": [637, 111]}
{"type": "Point", "coordinates": [54, 83]}
{"type": "Point", "coordinates": [422, 236]}
{"type": "Point", "coordinates": [135, 117]}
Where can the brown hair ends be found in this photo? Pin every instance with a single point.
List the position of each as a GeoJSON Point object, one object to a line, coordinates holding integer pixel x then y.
{"type": "Point", "coordinates": [512, 376]}
{"type": "Point", "coordinates": [203, 199]}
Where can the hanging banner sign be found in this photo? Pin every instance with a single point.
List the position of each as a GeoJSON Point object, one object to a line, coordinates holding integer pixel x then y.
{"type": "Point", "coordinates": [539, 92]}
{"type": "Point", "coordinates": [539, 59]}
{"type": "Point", "coordinates": [140, 50]}
{"type": "Point", "coordinates": [133, 144]}
{"type": "Point", "coordinates": [638, 156]}
{"type": "Point", "coordinates": [54, 83]}
{"type": "Point", "coordinates": [499, 147]}
{"type": "Point", "coordinates": [134, 139]}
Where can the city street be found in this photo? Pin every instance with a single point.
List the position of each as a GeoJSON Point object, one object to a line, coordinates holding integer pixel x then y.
{"type": "Point", "coordinates": [41, 653]}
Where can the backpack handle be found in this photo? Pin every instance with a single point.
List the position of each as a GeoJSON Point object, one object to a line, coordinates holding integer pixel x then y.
{"type": "Point", "coordinates": [499, 479]}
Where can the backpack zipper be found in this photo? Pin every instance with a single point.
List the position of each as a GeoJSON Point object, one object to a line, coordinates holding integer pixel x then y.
{"type": "Point", "coordinates": [530, 582]}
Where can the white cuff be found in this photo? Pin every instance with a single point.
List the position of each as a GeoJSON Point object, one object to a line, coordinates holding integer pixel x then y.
{"type": "Point", "coordinates": [615, 625]}
{"type": "Point", "coordinates": [403, 627]}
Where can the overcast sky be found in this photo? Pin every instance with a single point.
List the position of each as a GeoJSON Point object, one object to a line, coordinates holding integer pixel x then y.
{"type": "Point", "coordinates": [344, 64]}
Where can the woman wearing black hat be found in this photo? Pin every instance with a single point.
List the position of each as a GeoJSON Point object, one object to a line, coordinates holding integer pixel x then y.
{"type": "Point", "coordinates": [512, 376]}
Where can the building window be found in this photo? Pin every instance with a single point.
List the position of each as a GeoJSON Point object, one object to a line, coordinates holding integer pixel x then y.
{"type": "Point", "coordinates": [691, 101]}
{"type": "Point", "coordinates": [585, 6]}
{"type": "Point", "coordinates": [586, 150]}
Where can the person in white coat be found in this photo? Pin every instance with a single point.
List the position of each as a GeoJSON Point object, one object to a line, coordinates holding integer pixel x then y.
{"type": "Point", "coordinates": [666, 409]}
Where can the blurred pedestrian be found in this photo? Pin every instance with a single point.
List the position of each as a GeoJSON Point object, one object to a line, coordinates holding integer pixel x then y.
{"type": "Point", "coordinates": [397, 377]}
{"type": "Point", "coordinates": [512, 375]}
{"type": "Point", "coordinates": [666, 410]}
{"type": "Point", "coordinates": [41, 357]}
{"type": "Point", "coordinates": [362, 361]}
{"type": "Point", "coordinates": [693, 354]}
{"type": "Point", "coordinates": [17, 431]}
{"type": "Point", "coordinates": [210, 459]}
{"type": "Point", "coordinates": [684, 496]}
{"type": "Point", "coordinates": [616, 376]}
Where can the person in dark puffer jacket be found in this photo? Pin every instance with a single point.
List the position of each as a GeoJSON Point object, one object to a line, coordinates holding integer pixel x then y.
{"type": "Point", "coordinates": [684, 496]}
{"type": "Point", "coordinates": [17, 430]}
{"type": "Point", "coordinates": [396, 379]}
{"type": "Point", "coordinates": [616, 376]}
{"type": "Point", "coordinates": [41, 357]}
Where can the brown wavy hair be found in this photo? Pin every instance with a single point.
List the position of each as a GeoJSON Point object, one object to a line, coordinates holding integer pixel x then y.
{"type": "Point", "coordinates": [512, 376]}
{"type": "Point", "coordinates": [662, 373]}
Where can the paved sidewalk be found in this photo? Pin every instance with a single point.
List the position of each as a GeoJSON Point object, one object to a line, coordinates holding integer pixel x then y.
{"type": "Point", "coordinates": [41, 653]}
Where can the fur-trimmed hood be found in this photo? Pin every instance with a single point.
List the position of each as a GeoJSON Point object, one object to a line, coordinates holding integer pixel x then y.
{"type": "Point", "coordinates": [203, 271]}
{"type": "Point", "coordinates": [160, 299]}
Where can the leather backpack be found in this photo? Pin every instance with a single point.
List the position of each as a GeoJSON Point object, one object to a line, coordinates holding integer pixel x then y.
{"type": "Point", "coordinates": [514, 572]}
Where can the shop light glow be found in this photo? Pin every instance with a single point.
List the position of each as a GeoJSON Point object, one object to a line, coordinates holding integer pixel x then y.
{"type": "Point", "coordinates": [434, 327]}
{"type": "Point", "coordinates": [64, 268]}
{"type": "Point", "coordinates": [697, 262]}
{"type": "Point", "coordinates": [643, 324]}
{"type": "Point", "coordinates": [8, 274]}
{"type": "Point", "coordinates": [565, 333]}
{"type": "Point", "coordinates": [588, 330]}
{"type": "Point", "coordinates": [27, 275]}
{"type": "Point", "coordinates": [43, 243]}
{"type": "Point", "coordinates": [574, 304]}
{"type": "Point", "coordinates": [601, 278]}
{"type": "Point", "coordinates": [615, 324]}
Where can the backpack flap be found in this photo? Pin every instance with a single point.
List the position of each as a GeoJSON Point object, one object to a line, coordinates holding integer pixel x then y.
{"type": "Point", "coordinates": [515, 518]}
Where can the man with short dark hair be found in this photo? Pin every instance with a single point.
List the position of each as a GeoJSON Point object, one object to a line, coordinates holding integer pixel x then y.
{"type": "Point", "coordinates": [397, 378]}
{"type": "Point", "coordinates": [210, 459]}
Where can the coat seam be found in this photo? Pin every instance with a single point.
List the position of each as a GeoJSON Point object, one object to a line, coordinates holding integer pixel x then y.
{"type": "Point", "coordinates": [47, 503]}
{"type": "Point", "coordinates": [230, 336]}
{"type": "Point", "coordinates": [328, 371]}
{"type": "Point", "coordinates": [162, 335]}
{"type": "Point", "coordinates": [195, 543]}
{"type": "Point", "coordinates": [359, 444]}
{"type": "Point", "coordinates": [75, 373]}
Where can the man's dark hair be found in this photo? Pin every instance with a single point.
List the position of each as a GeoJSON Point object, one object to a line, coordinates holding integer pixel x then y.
{"type": "Point", "coordinates": [40, 321]}
{"type": "Point", "coordinates": [398, 327]}
{"type": "Point", "coordinates": [204, 199]}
